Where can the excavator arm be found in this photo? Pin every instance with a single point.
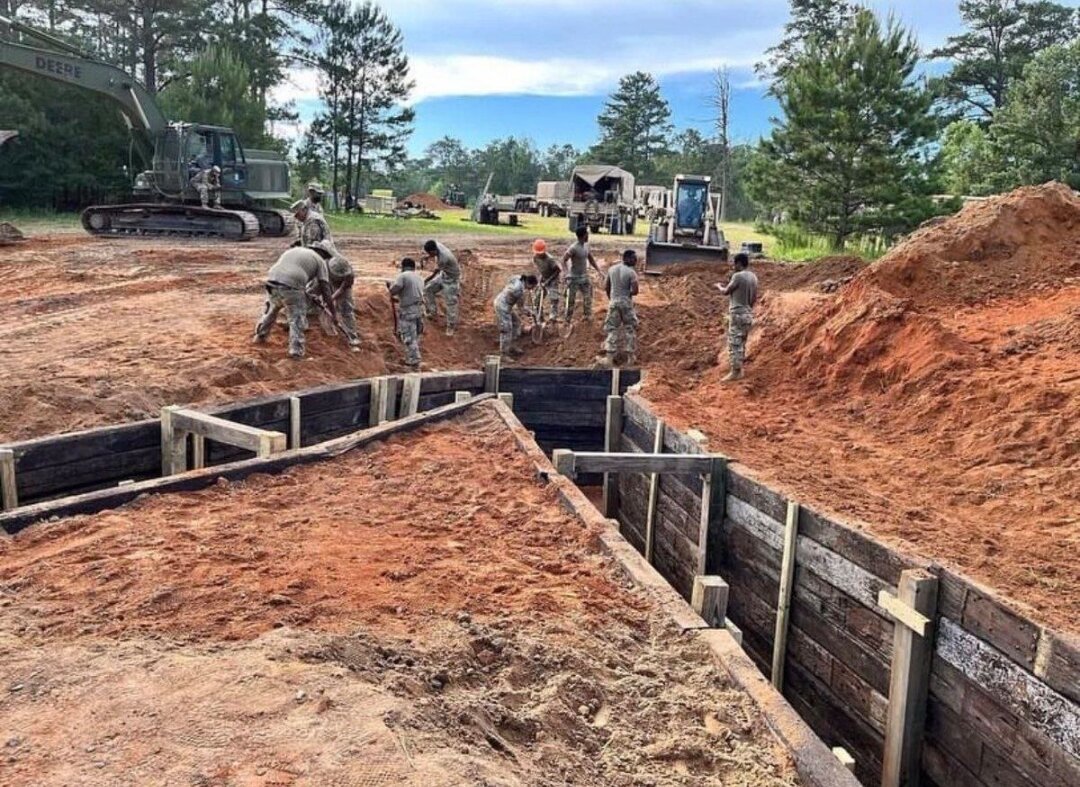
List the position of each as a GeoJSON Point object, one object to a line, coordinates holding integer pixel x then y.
{"type": "Point", "coordinates": [75, 68]}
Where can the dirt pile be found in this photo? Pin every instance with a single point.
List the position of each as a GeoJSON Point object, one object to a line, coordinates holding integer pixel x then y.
{"type": "Point", "coordinates": [9, 234]}
{"type": "Point", "coordinates": [425, 200]}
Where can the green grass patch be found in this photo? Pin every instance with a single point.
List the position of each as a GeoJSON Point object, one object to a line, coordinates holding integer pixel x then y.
{"type": "Point", "coordinates": [796, 245]}
{"type": "Point", "coordinates": [40, 220]}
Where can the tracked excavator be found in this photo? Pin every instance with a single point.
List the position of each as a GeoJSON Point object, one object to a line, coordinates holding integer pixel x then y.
{"type": "Point", "coordinates": [164, 204]}
{"type": "Point", "coordinates": [688, 230]}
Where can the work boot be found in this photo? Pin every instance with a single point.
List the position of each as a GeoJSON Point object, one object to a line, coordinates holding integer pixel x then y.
{"type": "Point", "coordinates": [606, 360]}
{"type": "Point", "coordinates": [734, 374]}
{"type": "Point", "coordinates": [449, 331]}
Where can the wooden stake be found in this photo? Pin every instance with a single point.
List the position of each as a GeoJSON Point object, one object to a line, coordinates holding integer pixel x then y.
{"type": "Point", "coordinates": [198, 451]}
{"type": "Point", "coordinates": [492, 365]}
{"type": "Point", "coordinates": [377, 409]}
{"type": "Point", "coordinates": [709, 599]}
{"type": "Point", "coordinates": [616, 381]}
{"type": "Point", "coordinates": [909, 683]}
{"type": "Point", "coordinates": [564, 462]}
{"type": "Point", "coordinates": [783, 604]}
{"type": "Point", "coordinates": [393, 384]}
{"type": "Point", "coordinates": [461, 396]}
{"type": "Point", "coordinates": [612, 435]}
{"type": "Point", "coordinates": [173, 444]}
{"type": "Point", "coordinates": [8, 490]}
{"type": "Point", "coordinates": [507, 399]}
{"type": "Point", "coordinates": [410, 395]}
{"type": "Point", "coordinates": [294, 422]}
{"type": "Point", "coordinates": [654, 492]}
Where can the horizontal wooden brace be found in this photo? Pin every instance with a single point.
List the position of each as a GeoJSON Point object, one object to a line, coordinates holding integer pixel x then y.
{"type": "Point", "coordinates": [249, 438]}
{"type": "Point", "coordinates": [904, 614]}
{"type": "Point", "coordinates": [601, 462]}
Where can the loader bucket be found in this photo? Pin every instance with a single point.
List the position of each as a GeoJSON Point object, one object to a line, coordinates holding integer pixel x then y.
{"type": "Point", "coordinates": [663, 255]}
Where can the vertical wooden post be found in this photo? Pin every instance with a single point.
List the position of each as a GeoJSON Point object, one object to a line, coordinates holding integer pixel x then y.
{"type": "Point", "coordinates": [713, 527]}
{"type": "Point", "coordinates": [461, 396]}
{"type": "Point", "coordinates": [492, 365]}
{"type": "Point", "coordinates": [783, 604]}
{"type": "Point", "coordinates": [612, 437]}
{"type": "Point", "coordinates": [8, 490]}
{"type": "Point", "coordinates": [709, 599]}
{"type": "Point", "coordinates": [616, 381]}
{"type": "Point", "coordinates": [294, 422]}
{"type": "Point", "coordinates": [909, 682]}
{"type": "Point", "coordinates": [393, 384]}
{"type": "Point", "coordinates": [654, 493]}
{"type": "Point", "coordinates": [173, 445]}
{"type": "Point", "coordinates": [564, 462]}
{"type": "Point", "coordinates": [377, 409]}
{"type": "Point", "coordinates": [198, 451]}
{"type": "Point", "coordinates": [507, 399]}
{"type": "Point", "coordinates": [410, 395]}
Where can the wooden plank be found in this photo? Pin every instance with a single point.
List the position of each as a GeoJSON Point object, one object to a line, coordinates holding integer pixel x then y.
{"type": "Point", "coordinates": [173, 444]}
{"type": "Point", "coordinates": [75, 447]}
{"type": "Point", "coordinates": [377, 413]}
{"type": "Point", "coordinates": [8, 491]}
{"type": "Point", "coordinates": [250, 438]}
{"type": "Point", "coordinates": [710, 599]}
{"type": "Point", "coordinates": [570, 422]}
{"type": "Point", "coordinates": [909, 686]}
{"type": "Point", "coordinates": [612, 431]}
{"type": "Point", "coordinates": [460, 380]}
{"type": "Point", "coordinates": [555, 375]}
{"type": "Point", "coordinates": [1014, 687]}
{"type": "Point", "coordinates": [783, 606]}
{"type": "Point", "coordinates": [507, 399]}
{"type": "Point", "coordinates": [335, 397]}
{"type": "Point", "coordinates": [616, 381]}
{"type": "Point", "coordinates": [904, 614]}
{"type": "Point", "coordinates": [492, 365]}
{"type": "Point", "coordinates": [198, 452]}
{"type": "Point", "coordinates": [601, 462]}
{"type": "Point", "coordinates": [844, 757]}
{"type": "Point", "coordinates": [543, 396]}
{"type": "Point", "coordinates": [410, 396]}
{"type": "Point", "coordinates": [712, 514]}
{"type": "Point", "coordinates": [989, 618]}
{"type": "Point", "coordinates": [462, 396]}
{"type": "Point", "coordinates": [88, 474]}
{"type": "Point", "coordinates": [92, 502]}
{"type": "Point", "coordinates": [564, 461]}
{"type": "Point", "coordinates": [295, 419]}
{"type": "Point", "coordinates": [654, 481]}
{"type": "Point", "coordinates": [1059, 662]}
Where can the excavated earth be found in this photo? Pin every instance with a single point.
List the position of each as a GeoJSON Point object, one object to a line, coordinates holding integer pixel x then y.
{"type": "Point", "coordinates": [421, 612]}
{"type": "Point", "coordinates": [932, 397]}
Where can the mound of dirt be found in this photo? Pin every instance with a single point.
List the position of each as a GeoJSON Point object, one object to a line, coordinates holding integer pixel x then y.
{"type": "Point", "coordinates": [428, 201]}
{"type": "Point", "coordinates": [9, 234]}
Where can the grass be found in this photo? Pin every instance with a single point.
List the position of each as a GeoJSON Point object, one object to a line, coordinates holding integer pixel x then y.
{"type": "Point", "coordinates": [794, 245]}
{"type": "Point", "coordinates": [40, 220]}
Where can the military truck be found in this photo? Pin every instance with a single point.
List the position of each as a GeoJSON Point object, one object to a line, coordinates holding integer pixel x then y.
{"type": "Point", "coordinates": [553, 197]}
{"type": "Point", "coordinates": [166, 203]}
{"type": "Point", "coordinates": [602, 197]}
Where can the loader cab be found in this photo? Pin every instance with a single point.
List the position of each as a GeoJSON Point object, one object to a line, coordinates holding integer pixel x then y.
{"type": "Point", "coordinates": [692, 204]}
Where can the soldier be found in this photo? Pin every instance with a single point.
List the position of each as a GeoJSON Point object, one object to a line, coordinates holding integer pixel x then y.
{"type": "Point", "coordinates": [287, 288]}
{"type": "Point", "coordinates": [342, 279]}
{"type": "Point", "coordinates": [446, 280]}
{"type": "Point", "coordinates": [507, 305]}
{"type": "Point", "coordinates": [208, 183]}
{"type": "Point", "coordinates": [408, 288]}
{"type": "Point", "coordinates": [311, 226]}
{"type": "Point", "coordinates": [548, 269]}
{"type": "Point", "coordinates": [314, 197]}
{"type": "Point", "coordinates": [621, 287]}
{"type": "Point", "coordinates": [578, 279]}
{"type": "Point", "coordinates": [743, 292]}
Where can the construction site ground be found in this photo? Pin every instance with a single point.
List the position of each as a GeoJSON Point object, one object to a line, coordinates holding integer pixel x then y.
{"type": "Point", "coordinates": [419, 612]}
{"type": "Point", "coordinates": [933, 398]}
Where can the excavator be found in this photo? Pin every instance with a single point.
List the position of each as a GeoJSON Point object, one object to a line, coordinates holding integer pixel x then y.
{"type": "Point", "coordinates": [164, 201]}
{"type": "Point", "coordinates": [688, 230]}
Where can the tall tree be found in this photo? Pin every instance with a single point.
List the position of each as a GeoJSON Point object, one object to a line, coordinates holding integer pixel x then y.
{"type": "Point", "coordinates": [1037, 131]}
{"type": "Point", "coordinates": [721, 102]}
{"type": "Point", "coordinates": [635, 125]}
{"type": "Point", "coordinates": [216, 90]}
{"type": "Point", "coordinates": [1002, 37]}
{"type": "Point", "coordinates": [811, 20]}
{"type": "Point", "coordinates": [558, 162]}
{"type": "Point", "coordinates": [968, 160]}
{"type": "Point", "coordinates": [849, 153]}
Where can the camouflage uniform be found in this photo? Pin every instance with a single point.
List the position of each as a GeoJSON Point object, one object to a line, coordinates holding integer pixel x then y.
{"type": "Point", "coordinates": [314, 229]}
{"type": "Point", "coordinates": [506, 305]}
{"type": "Point", "coordinates": [208, 184]}
{"type": "Point", "coordinates": [740, 321]}
{"type": "Point", "coordinates": [547, 268]}
{"type": "Point", "coordinates": [578, 280]}
{"type": "Point", "coordinates": [409, 288]}
{"type": "Point", "coordinates": [286, 288]}
{"type": "Point", "coordinates": [345, 305]}
{"type": "Point", "coordinates": [447, 283]}
{"type": "Point", "coordinates": [621, 314]}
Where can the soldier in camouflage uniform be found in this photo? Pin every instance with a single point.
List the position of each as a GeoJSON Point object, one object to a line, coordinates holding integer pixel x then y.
{"type": "Point", "coordinates": [312, 227]}
{"type": "Point", "coordinates": [207, 182]}
{"type": "Point", "coordinates": [342, 279]}
{"type": "Point", "coordinates": [408, 289]}
{"type": "Point", "coordinates": [445, 281]}
{"type": "Point", "coordinates": [507, 305]}
{"type": "Point", "coordinates": [314, 197]}
{"type": "Point", "coordinates": [549, 272]}
{"type": "Point", "coordinates": [288, 282]}
{"type": "Point", "coordinates": [621, 287]}
{"type": "Point", "coordinates": [579, 257]}
{"type": "Point", "coordinates": [743, 292]}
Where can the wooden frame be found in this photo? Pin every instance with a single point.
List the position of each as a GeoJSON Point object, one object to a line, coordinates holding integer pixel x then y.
{"type": "Point", "coordinates": [177, 423]}
{"type": "Point", "coordinates": [602, 462]}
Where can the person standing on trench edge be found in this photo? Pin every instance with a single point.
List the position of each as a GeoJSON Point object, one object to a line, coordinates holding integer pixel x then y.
{"type": "Point", "coordinates": [445, 281]}
{"type": "Point", "coordinates": [742, 289]}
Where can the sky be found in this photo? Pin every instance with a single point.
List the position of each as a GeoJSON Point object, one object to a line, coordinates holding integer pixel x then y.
{"type": "Point", "coordinates": [542, 69]}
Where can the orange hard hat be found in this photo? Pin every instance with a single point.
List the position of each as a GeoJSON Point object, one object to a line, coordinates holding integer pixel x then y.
{"type": "Point", "coordinates": [539, 246]}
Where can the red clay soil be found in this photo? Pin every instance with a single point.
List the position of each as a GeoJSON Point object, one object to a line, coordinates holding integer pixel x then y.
{"type": "Point", "coordinates": [421, 612]}
{"type": "Point", "coordinates": [936, 398]}
{"type": "Point", "coordinates": [429, 201]}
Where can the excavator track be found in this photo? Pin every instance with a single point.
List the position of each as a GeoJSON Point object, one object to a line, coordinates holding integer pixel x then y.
{"type": "Point", "coordinates": [274, 223]}
{"type": "Point", "coordinates": [184, 221]}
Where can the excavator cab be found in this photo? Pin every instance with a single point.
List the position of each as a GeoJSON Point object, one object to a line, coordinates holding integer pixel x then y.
{"type": "Point", "coordinates": [184, 149]}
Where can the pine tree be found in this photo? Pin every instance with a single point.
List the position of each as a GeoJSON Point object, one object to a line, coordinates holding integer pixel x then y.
{"type": "Point", "coordinates": [634, 125]}
{"type": "Point", "coordinates": [1002, 37]}
{"type": "Point", "coordinates": [811, 20]}
{"type": "Point", "coordinates": [850, 152]}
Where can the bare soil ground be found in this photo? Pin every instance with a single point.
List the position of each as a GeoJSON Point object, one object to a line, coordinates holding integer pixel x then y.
{"type": "Point", "coordinates": [932, 397]}
{"type": "Point", "coordinates": [421, 612]}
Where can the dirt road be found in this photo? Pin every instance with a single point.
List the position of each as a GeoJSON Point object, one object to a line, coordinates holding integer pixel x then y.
{"type": "Point", "coordinates": [419, 613]}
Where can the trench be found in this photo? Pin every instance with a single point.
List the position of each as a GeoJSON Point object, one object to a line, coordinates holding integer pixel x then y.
{"type": "Point", "coordinates": [1002, 705]}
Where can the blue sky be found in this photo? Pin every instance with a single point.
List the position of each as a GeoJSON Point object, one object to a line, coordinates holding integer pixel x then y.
{"type": "Point", "coordinates": [543, 68]}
